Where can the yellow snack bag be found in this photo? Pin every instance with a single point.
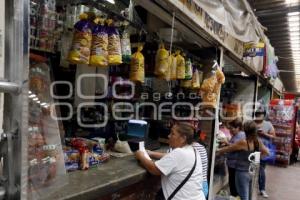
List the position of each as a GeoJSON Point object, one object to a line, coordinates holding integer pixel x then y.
{"type": "Point", "coordinates": [186, 83]}
{"type": "Point", "coordinates": [137, 66]}
{"type": "Point", "coordinates": [114, 45]}
{"type": "Point", "coordinates": [196, 79]}
{"type": "Point", "coordinates": [82, 40]}
{"type": "Point", "coordinates": [99, 51]}
{"type": "Point", "coordinates": [161, 61]}
{"type": "Point", "coordinates": [173, 67]}
{"type": "Point", "coordinates": [180, 62]}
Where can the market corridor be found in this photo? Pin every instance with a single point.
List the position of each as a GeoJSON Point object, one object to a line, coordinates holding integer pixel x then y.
{"type": "Point", "coordinates": [283, 183]}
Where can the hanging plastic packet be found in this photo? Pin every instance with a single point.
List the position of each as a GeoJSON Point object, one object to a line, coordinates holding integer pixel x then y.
{"type": "Point", "coordinates": [161, 61]}
{"type": "Point", "coordinates": [114, 45]}
{"type": "Point", "coordinates": [173, 67]}
{"type": "Point", "coordinates": [82, 40]}
{"type": "Point", "coordinates": [99, 51]}
{"type": "Point", "coordinates": [188, 70]}
{"type": "Point", "coordinates": [186, 83]}
{"type": "Point", "coordinates": [137, 66]}
{"type": "Point", "coordinates": [180, 62]}
{"type": "Point", "coordinates": [196, 79]}
{"type": "Point", "coordinates": [125, 46]}
{"type": "Point", "coordinates": [167, 75]}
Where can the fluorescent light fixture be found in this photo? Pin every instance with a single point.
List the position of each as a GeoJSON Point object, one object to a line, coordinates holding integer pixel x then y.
{"type": "Point", "coordinates": [43, 104]}
{"type": "Point", "coordinates": [294, 34]}
{"type": "Point", "coordinates": [29, 92]}
{"type": "Point", "coordinates": [32, 96]}
{"type": "Point", "coordinates": [291, 1]}
{"type": "Point", "coordinates": [111, 1]}
{"type": "Point", "coordinates": [292, 24]}
{"type": "Point", "coordinates": [294, 29]}
{"type": "Point", "coordinates": [293, 13]}
{"type": "Point", "coordinates": [293, 18]}
{"type": "Point", "coordinates": [38, 101]}
{"type": "Point", "coordinates": [35, 99]}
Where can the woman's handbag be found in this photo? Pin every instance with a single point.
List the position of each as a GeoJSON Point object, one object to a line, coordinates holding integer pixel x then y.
{"type": "Point", "coordinates": [160, 194]}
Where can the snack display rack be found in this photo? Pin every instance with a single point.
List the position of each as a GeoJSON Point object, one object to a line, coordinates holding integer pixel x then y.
{"type": "Point", "coordinates": [282, 116]}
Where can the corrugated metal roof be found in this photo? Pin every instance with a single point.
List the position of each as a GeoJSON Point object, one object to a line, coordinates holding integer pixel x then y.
{"type": "Point", "coordinates": [273, 14]}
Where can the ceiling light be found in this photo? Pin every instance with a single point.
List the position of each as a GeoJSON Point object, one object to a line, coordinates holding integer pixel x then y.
{"type": "Point", "coordinates": [32, 96]}
{"type": "Point", "coordinates": [293, 13]}
{"type": "Point", "coordinates": [43, 104]}
{"type": "Point", "coordinates": [293, 18]}
{"type": "Point", "coordinates": [111, 1]}
{"type": "Point", "coordinates": [293, 23]}
{"type": "Point", "coordinates": [294, 34]}
{"type": "Point", "coordinates": [29, 92]}
{"type": "Point", "coordinates": [38, 101]}
{"type": "Point", "coordinates": [294, 29]}
{"type": "Point", "coordinates": [35, 99]}
{"type": "Point", "coordinates": [291, 1]}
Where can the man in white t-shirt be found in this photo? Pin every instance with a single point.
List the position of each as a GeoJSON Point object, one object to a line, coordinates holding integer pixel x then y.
{"type": "Point", "coordinates": [175, 166]}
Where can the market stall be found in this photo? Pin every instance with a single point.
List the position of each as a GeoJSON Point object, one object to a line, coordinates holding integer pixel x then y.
{"type": "Point", "coordinates": [102, 74]}
{"type": "Point", "coordinates": [104, 77]}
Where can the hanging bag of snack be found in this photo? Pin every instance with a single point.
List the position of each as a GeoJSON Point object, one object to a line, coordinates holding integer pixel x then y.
{"type": "Point", "coordinates": [137, 66]}
{"type": "Point", "coordinates": [173, 67]}
{"type": "Point", "coordinates": [186, 83]}
{"type": "Point", "coordinates": [114, 45]}
{"type": "Point", "coordinates": [161, 61]}
{"type": "Point", "coordinates": [126, 46]}
{"type": "Point", "coordinates": [196, 79]}
{"type": "Point", "coordinates": [82, 40]}
{"type": "Point", "coordinates": [180, 62]}
{"type": "Point", "coordinates": [188, 70]}
{"type": "Point", "coordinates": [99, 51]}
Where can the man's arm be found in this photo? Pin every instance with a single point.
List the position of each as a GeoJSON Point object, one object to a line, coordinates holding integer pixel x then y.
{"type": "Point", "coordinates": [271, 133]}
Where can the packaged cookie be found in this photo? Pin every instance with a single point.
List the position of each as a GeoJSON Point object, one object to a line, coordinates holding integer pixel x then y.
{"type": "Point", "coordinates": [99, 52]}
{"type": "Point", "coordinates": [114, 45]}
{"type": "Point", "coordinates": [82, 40]}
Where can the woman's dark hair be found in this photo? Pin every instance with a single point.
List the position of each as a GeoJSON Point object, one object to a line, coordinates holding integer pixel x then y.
{"type": "Point", "coordinates": [250, 129]}
{"type": "Point", "coordinates": [259, 113]}
{"type": "Point", "coordinates": [236, 123]}
{"type": "Point", "coordinates": [185, 130]}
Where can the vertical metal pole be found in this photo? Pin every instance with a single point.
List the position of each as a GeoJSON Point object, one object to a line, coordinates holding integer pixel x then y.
{"type": "Point", "coordinates": [15, 105]}
{"type": "Point", "coordinates": [216, 130]}
{"type": "Point", "coordinates": [255, 95]}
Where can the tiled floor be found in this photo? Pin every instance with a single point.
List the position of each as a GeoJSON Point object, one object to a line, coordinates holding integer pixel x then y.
{"type": "Point", "coordinates": [283, 183]}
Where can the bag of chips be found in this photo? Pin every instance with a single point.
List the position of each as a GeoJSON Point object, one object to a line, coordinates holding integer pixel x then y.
{"type": "Point", "coordinates": [126, 47]}
{"type": "Point", "coordinates": [186, 83]}
{"type": "Point", "coordinates": [161, 61]}
{"type": "Point", "coordinates": [114, 45]}
{"type": "Point", "coordinates": [99, 51]}
{"type": "Point", "coordinates": [137, 70]}
{"type": "Point", "coordinates": [180, 62]}
{"type": "Point", "coordinates": [173, 67]}
{"type": "Point", "coordinates": [188, 70]}
{"type": "Point", "coordinates": [196, 79]}
{"type": "Point", "coordinates": [82, 40]}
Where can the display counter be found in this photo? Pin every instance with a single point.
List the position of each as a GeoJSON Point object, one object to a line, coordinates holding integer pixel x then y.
{"type": "Point", "coordinates": [119, 177]}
